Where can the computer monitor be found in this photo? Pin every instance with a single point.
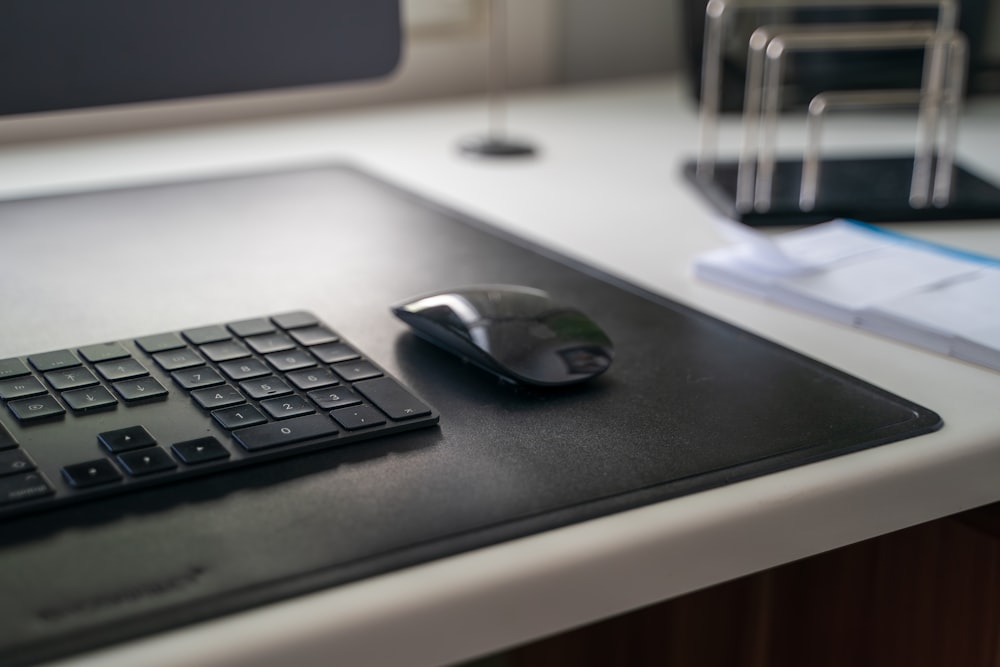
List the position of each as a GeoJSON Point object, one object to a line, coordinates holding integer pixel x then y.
{"type": "Point", "coordinates": [66, 54]}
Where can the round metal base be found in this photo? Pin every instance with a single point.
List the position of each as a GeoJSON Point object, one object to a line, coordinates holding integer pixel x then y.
{"type": "Point", "coordinates": [497, 147]}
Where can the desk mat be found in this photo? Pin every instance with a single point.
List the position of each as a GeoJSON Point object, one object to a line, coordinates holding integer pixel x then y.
{"type": "Point", "coordinates": [689, 404]}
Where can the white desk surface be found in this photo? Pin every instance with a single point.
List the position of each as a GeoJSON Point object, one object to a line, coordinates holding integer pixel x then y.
{"type": "Point", "coordinates": [606, 188]}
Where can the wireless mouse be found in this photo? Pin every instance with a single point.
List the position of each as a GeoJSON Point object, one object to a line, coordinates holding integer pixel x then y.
{"type": "Point", "coordinates": [518, 333]}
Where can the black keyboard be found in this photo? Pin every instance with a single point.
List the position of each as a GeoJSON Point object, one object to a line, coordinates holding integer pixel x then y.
{"type": "Point", "coordinates": [106, 418]}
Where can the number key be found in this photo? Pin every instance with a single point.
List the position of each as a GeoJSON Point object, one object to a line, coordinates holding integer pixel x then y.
{"type": "Point", "coordinates": [217, 397]}
{"type": "Point", "coordinates": [194, 378]}
{"type": "Point", "coordinates": [287, 406]}
{"type": "Point", "coordinates": [244, 369]}
{"type": "Point", "coordinates": [265, 387]}
{"type": "Point", "coordinates": [278, 434]}
{"type": "Point", "coordinates": [313, 378]}
{"type": "Point", "coordinates": [337, 397]}
{"type": "Point", "coordinates": [239, 416]}
{"type": "Point", "coordinates": [291, 360]}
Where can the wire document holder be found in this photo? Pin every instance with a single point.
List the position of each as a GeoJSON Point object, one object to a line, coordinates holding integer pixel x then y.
{"type": "Point", "coordinates": [760, 189]}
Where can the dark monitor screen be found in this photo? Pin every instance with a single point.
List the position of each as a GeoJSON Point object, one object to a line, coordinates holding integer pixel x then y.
{"type": "Point", "coordinates": [64, 54]}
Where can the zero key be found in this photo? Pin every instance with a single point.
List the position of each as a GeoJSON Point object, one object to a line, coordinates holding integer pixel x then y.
{"type": "Point", "coordinates": [285, 432]}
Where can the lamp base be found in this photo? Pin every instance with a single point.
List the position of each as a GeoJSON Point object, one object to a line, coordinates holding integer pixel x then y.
{"type": "Point", "coordinates": [496, 147]}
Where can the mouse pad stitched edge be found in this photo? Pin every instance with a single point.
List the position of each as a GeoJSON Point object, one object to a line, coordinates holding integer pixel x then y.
{"type": "Point", "coordinates": [691, 403]}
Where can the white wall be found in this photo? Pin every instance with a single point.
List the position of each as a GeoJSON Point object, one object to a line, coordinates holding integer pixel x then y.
{"type": "Point", "coordinates": [613, 38]}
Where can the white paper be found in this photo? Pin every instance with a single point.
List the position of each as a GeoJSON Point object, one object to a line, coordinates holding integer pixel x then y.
{"type": "Point", "coordinates": [926, 295]}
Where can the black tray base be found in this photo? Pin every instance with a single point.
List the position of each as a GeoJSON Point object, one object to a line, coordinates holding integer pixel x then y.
{"type": "Point", "coordinates": [870, 189]}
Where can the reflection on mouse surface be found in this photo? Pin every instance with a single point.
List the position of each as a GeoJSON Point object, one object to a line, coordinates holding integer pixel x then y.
{"type": "Point", "coordinates": [516, 332]}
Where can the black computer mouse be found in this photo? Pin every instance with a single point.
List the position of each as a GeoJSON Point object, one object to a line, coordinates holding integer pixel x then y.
{"type": "Point", "coordinates": [518, 333]}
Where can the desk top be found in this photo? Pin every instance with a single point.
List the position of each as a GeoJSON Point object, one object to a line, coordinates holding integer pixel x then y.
{"type": "Point", "coordinates": [606, 189]}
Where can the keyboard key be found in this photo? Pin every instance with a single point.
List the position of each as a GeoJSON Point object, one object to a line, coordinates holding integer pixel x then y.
{"type": "Point", "coordinates": [239, 416]}
{"type": "Point", "coordinates": [89, 399]}
{"type": "Point", "coordinates": [225, 350]}
{"type": "Point", "coordinates": [18, 488]}
{"type": "Point", "coordinates": [201, 450]}
{"type": "Point", "coordinates": [291, 360]}
{"type": "Point", "coordinates": [328, 399]}
{"type": "Point", "coordinates": [103, 352]}
{"type": "Point", "coordinates": [268, 343]}
{"type": "Point", "coordinates": [15, 461]}
{"type": "Point", "coordinates": [392, 399]}
{"type": "Point", "coordinates": [7, 440]}
{"type": "Point", "coordinates": [126, 439]}
{"type": "Point", "coordinates": [245, 369]}
{"type": "Point", "coordinates": [159, 343]}
{"type": "Point", "coordinates": [332, 353]}
{"type": "Point", "coordinates": [295, 320]}
{"type": "Point", "coordinates": [287, 406]}
{"type": "Point", "coordinates": [173, 360]}
{"type": "Point", "coordinates": [254, 327]}
{"type": "Point", "coordinates": [194, 378]}
{"type": "Point", "coordinates": [36, 408]}
{"type": "Point", "coordinates": [287, 432]}
{"type": "Point", "coordinates": [265, 387]}
{"type": "Point", "coordinates": [209, 334]}
{"type": "Point", "coordinates": [91, 473]}
{"type": "Point", "coordinates": [313, 378]}
{"type": "Point", "coordinates": [143, 389]}
{"type": "Point", "coordinates": [353, 371]}
{"type": "Point", "coordinates": [51, 361]}
{"type": "Point", "coordinates": [357, 417]}
{"type": "Point", "coordinates": [313, 336]}
{"type": "Point", "coordinates": [71, 378]}
{"type": "Point", "coordinates": [146, 461]}
{"type": "Point", "coordinates": [10, 368]}
{"type": "Point", "coordinates": [21, 387]}
{"type": "Point", "coordinates": [121, 369]}
{"type": "Point", "coordinates": [217, 397]}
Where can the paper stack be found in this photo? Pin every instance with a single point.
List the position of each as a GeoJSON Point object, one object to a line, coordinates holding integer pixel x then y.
{"type": "Point", "coordinates": [929, 295]}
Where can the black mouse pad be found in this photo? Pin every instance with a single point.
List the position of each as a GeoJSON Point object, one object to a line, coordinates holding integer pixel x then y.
{"type": "Point", "coordinates": [689, 404]}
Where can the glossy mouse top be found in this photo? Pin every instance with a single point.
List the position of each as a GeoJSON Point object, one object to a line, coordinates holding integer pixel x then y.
{"type": "Point", "coordinates": [516, 332]}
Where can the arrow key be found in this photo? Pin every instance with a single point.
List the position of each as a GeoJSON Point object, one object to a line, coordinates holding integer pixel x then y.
{"type": "Point", "coordinates": [200, 450]}
{"type": "Point", "coordinates": [146, 461]}
{"type": "Point", "coordinates": [126, 439]}
{"type": "Point", "coordinates": [89, 399]}
{"type": "Point", "coordinates": [142, 389]}
{"type": "Point", "coordinates": [91, 473]}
